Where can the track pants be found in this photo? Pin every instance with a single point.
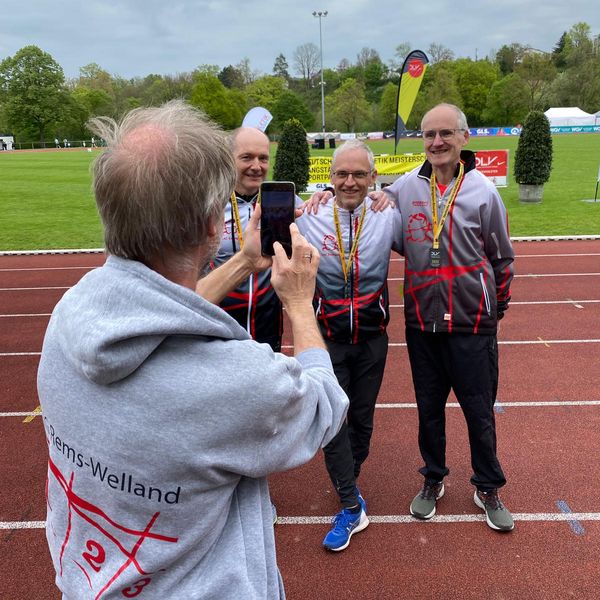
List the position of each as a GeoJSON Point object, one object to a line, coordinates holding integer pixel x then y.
{"type": "Point", "coordinates": [467, 364]}
{"type": "Point", "coordinates": [359, 369]}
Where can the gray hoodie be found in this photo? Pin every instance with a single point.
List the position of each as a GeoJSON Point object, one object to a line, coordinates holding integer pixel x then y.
{"type": "Point", "coordinates": [163, 420]}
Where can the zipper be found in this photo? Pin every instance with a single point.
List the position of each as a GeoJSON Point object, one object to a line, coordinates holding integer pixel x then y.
{"type": "Point", "coordinates": [485, 295]}
{"type": "Point", "coordinates": [351, 274]}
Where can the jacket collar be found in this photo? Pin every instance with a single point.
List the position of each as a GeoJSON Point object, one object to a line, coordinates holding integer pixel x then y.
{"type": "Point", "coordinates": [466, 156]}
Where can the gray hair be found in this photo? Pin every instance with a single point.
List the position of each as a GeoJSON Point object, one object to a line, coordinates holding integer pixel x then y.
{"type": "Point", "coordinates": [166, 173]}
{"type": "Point", "coordinates": [461, 119]}
{"type": "Point", "coordinates": [354, 145]}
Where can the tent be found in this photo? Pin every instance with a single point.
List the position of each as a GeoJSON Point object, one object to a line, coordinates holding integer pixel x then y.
{"type": "Point", "coordinates": [569, 117]}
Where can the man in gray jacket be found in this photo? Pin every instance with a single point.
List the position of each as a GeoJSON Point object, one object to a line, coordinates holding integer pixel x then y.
{"type": "Point", "coordinates": [456, 288]}
{"type": "Point", "coordinates": [162, 417]}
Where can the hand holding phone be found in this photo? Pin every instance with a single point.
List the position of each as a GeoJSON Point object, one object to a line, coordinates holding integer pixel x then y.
{"type": "Point", "coordinates": [277, 201]}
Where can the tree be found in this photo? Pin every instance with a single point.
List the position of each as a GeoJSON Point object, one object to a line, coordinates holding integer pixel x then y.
{"type": "Point", "coordinates": [245, 69]}
{"type": "Point", "coordinates": [388, 106]}
{"type": "Point", "coordinates": [400, 53]}
{"type": "Point", "coordinates": [348, 105]}
{"type": "Point", "coordinates": [231, 77]}
{"type": "Point", "coordinates": [265, 91]}
{"type": "Point", "coordinates": [508, 57]}
{"type": "Point", "coordinates": [292, 159]}
{"type": "Point", "coordinates": [306, 62]}
{"type": "Point", "coordinates": [216, 101]}
{"type": "Point", "coordinates": [33, 91]}
{"type": "Point", "coordinates": [291, 106]}
{"type": "Point", "coordinates": [533, 158]}
{"type": "Point", "coordinates": [537, 71]}
{"type": "Point", "coordinates": [438, 53]}
{"type": "Point", "coordinates": [280, 67]}
{"type": "Point", "coordinates": [474, 80]}
{"type": "Point", "coordinates": [366, 56]}
{"type": "Point", "coordinates": [508, 101]}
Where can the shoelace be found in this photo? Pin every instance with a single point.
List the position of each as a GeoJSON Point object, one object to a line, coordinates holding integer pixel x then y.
{"type": "Point", "coordinates": [344, 519]}
{"type": "Point", "coordinates": [430, 490]}
{"type": "Point", "coordinates": [491, 499]}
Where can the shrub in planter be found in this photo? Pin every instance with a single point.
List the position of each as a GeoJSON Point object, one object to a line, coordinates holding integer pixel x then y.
{"type": "Point", "coordinates": [292, 158]}
{"type": "Point", "coordinates": [533, 159]}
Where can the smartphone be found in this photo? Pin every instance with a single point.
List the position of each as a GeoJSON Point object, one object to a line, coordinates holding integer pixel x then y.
{"type": "Point", "coordinates": [277, 201]}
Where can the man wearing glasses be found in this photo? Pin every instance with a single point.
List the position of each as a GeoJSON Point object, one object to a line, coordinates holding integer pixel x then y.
{"type": "Point", "coordinates": [351, 303]}
{"type": "Point", "coordinates": [456, 288]}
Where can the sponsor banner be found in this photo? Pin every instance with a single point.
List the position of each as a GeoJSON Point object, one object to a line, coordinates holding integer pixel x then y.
{"type": "Point", "coordinates": [491, 131]}
{"type": "Point", "coordinates": [578, 129]}
{"type": "Point", "coordinates": [494, 165]}
{"type": "Point", "coordinates": [375, 135]}
{"type": "Point", "coordinates": [347, 136]}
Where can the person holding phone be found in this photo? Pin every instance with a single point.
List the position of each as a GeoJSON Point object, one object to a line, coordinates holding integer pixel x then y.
{"type": "Point", "coordinates": [163, 418]}
{"type": "Point", "coordinates": [253, 304]}
{"type": "Point", "coordinates": [352, 308]}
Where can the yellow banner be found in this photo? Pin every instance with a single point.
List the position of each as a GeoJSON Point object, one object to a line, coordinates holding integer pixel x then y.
{"type": "Point", "coordinates": [396, 164]}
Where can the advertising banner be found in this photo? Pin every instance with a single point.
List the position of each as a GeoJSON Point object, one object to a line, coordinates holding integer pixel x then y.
{"type": "Point", "coordinates": [492, 163]}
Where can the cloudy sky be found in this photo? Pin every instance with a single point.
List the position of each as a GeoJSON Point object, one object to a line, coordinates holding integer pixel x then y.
{"type": "Point", "coordinates": [137, 37]}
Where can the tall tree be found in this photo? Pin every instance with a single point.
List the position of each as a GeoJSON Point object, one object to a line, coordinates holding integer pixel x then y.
{"type": "Point", "coordinates": [438, 53]}
{"type": "Point", "coordinates": [33, 90]}
{"type": "Point", "coordinates": [292, 159]}
{"type": "Point", "coordinates": [217, 101]}
{"type": "Point", "coordinates": [509, 56]}
{"type": "Point", "coordinates": [507, 102]}
{"type": "Point", "coordinates": [290, 106]}
{"type": "Point", "coordinates": [348, 105]}
{"type": "Point", "coordinates": [307, 62]}
{"type": "Point", "coordinates": [265, 91]}
{"type": "Point", "coordinates": [231, 77]}
{"type": "Point", "coordinates": [537, 71]}
{"type": "Point", "coordinates": [281, 67]}
{"type": "Point", "coordinates": [366, 56]}
{"type": "Point", "coordinates": [474, 80]}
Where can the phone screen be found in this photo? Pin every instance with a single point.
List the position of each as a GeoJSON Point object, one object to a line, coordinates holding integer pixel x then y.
{"type": "Point", "coordinates": [277, 201]}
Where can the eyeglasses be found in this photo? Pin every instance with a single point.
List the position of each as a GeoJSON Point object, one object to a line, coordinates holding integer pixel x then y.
{"type": "Point", "coordinates": [445, 134]}
{"type": "Point", "coordinates": [355, 174]}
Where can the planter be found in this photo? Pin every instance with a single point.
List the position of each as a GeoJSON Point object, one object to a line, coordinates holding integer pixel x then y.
{"type": "Point", "coordinates": [530, 193]}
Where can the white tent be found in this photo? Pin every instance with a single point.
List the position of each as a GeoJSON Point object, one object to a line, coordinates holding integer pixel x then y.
{"type": "Point", "coordinates": [569, 117]}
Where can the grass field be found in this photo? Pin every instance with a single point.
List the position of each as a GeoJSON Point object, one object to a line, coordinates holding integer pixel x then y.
{"type": "Point", "coordinates": [46, 200]}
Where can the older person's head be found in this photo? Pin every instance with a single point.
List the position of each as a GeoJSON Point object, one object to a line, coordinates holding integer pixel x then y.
{"type": "Point", "coordinates": [445, 133]}
{"type": "Point", "coordinates": [163, 180]}
{"type": "Point", "coordinates": [250, 149]}
{"type": "Point", "coordinates": [352, 173]}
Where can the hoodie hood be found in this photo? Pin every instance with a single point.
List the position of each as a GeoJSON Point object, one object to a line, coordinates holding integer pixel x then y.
{"type": "Point", "coordinates": [118, 314]}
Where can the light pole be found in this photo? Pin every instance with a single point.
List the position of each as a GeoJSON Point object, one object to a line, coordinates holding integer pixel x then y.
{"type": "Point", "coordinates": [321, 14]}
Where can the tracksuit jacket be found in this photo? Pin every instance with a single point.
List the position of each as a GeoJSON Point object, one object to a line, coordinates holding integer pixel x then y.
{"type": "Point", "coordinates": [470, 290]}
{"type": "Point", "coordinates": [357, 309]}
{"type": "Point", "coordinates": [254, 303]}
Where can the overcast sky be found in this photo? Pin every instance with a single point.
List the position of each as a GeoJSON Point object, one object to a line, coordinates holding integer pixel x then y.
{"type": "Point", "coordinates": [138, 37]}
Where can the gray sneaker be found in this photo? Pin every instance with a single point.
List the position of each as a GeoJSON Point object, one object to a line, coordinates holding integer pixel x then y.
{"type": "Point", "coordinates": [423, 505]}
{"type": "Point", "coordinates": [497, 516]}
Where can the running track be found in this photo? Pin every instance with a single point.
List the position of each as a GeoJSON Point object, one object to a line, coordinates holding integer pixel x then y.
{"type": "Point", "coordinates": [548, 419]}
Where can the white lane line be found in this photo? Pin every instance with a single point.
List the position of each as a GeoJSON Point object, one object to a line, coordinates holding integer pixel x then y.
{"type": "Point", "coordinates": [29, 289]}
{"type": "Point", "coordinates": [468, 518]}
{"type": "Point", "coordinates": [513, 342]}
{"type": "Point", "coordinates": [531, 275]}
{"type": "Point", "coordinates": [575, 303]}
{"type": "Point", "coordinates": [20, 353]}
{"type": "Point", "coordinates": [388, 405]}
{"type": "Point", "coordinates": [26, 315]}
{"type": "Point", "coordinates": [383, 519]}
{"type": "Point", "coordinates": [46, 269]}
{"type": "Point", "coordinates": [503, 404]}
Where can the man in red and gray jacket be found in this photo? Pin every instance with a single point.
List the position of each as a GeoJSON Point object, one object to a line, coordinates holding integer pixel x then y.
{"type": "Point", "coordinates": [456, 288]}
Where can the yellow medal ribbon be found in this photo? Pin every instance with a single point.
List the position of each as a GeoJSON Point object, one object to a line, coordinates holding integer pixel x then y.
{"type": "Point", "coordinates": [338, 234]}
{"type": "Point", "coordinates": [236, 217]}
{"type": "Point", "coordinates": [437, 228]}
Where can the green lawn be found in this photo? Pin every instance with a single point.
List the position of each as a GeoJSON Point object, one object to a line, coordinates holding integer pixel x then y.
{"type": "Point", "coordinates": [46, 200]}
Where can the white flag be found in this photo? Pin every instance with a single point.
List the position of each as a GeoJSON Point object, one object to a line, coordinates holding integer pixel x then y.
{"type": "Point", "coordinates": [258, 118]}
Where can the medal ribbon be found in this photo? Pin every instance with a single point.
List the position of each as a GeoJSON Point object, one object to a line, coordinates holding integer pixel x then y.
{"type": "Point", "coordinates": [338, 234]}
{"type": "Point", "coordinates": [437, 228]}
{"type": "Point", "coordinates": [236, 217]}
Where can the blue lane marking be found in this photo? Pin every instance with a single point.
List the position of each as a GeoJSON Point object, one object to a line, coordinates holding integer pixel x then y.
{"type": "Point", "coordinates": [575, 525]}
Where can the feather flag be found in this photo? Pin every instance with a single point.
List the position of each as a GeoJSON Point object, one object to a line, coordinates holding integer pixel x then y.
{"type": "Point", "coordinates": [411, 77]}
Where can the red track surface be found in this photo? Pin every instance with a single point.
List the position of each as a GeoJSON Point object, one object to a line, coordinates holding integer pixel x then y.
{"type": "Point", "coordinates": [549, 354]}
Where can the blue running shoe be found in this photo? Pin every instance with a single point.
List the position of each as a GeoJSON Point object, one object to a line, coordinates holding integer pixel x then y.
{"type": "Point", "coordinates": [345, 525]}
